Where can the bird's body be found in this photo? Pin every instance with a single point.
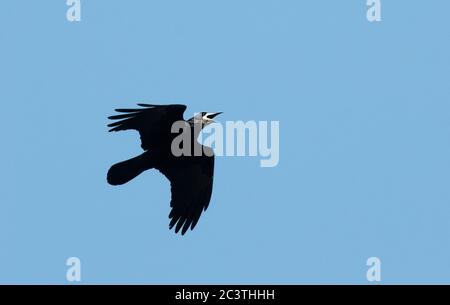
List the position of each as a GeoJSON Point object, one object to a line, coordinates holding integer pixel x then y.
{"type": "Point", "coordinates": [190, 175]}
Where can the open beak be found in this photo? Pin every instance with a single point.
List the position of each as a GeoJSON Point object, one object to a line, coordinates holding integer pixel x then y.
{"type": "Point", "coordinates": [213, 115]}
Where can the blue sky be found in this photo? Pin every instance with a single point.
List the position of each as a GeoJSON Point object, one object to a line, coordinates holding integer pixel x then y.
{"type": "Point", "coordinates": [364, 140]}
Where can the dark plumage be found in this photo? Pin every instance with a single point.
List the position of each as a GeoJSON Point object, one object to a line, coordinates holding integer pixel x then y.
{"type": "Point", "coordinates": [191, 177]}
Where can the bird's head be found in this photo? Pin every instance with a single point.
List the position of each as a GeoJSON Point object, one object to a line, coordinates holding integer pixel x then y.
{"type": "Point", "coordinates": [204, 118]}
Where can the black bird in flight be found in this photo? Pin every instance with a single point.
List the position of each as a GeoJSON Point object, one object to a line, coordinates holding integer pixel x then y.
{"type": "Point", "coordinates": [190, 175]}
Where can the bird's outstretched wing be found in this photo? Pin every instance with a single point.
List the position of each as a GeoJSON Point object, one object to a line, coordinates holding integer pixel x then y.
{"type": "Point", "coordinates": [153, 122]}
{"type": "Point", "coordinates": [191, 189]}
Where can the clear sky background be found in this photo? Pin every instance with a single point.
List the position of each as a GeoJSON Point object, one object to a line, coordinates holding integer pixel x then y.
{"type": "Point", "coordinates": [364, 111]}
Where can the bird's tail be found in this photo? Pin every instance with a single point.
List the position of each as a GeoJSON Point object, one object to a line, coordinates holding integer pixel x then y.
{"type": "Point", "coordinates": [125, 171]}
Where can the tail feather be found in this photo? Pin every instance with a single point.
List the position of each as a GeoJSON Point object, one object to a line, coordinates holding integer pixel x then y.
{"type": "Point", "coordinates": [125, 171]}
